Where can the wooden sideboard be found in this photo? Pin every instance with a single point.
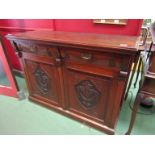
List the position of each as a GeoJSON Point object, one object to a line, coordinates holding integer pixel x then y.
{"type": "Point", "coordinates": [81, 75]}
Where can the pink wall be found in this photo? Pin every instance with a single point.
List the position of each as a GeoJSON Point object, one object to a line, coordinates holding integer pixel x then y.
{"type": "Point", "coordinates": [74, 25]}
{"type": "Point", "coordinates": [28, 23]}
{"type": "Point", "coordinates": [11, 53]}
{"type": "Point", "coordinates": [86, 25]}
{"type": "Point", "coordinates": [8, 25]}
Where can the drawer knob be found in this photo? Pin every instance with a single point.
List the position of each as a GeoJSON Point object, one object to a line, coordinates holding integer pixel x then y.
{"type": "Point", "coordinates": [58, 60]}
{"type": "Point", "coordinates": [123, 75]}
{"type": "Point", "coordinates": [86, 56]}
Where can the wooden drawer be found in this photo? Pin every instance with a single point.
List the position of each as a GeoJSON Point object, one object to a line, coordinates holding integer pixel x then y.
{"type": "Point", "coordinates": [95, 58]}
{"type": "Point", "coordinates": [36, 48]}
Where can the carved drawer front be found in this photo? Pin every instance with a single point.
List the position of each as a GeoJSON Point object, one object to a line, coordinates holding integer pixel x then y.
{"type": "Point", "coordinates": [43, 81]}
{"type": "Point", "coordinates": [35, 48]}
{"type": "Point", "coordinates": [89, 94]}
{"type": "Point", "coordinates": [95, 58]}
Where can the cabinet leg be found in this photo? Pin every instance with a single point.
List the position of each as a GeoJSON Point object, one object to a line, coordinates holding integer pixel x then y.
{"type": "Point", "coordinates": [134, 112]}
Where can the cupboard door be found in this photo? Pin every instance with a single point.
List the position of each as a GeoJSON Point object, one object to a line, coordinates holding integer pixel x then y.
{"type": "Point", "coordinates": [90, 91]}
{"type": "Point", "coordinates": [42, 76]}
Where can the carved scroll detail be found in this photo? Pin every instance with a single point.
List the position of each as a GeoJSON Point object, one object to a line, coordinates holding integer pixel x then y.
{"type": "Point", "coordinates": [87, 93]}
{"type": "Point", "coordinates": [42, 80]}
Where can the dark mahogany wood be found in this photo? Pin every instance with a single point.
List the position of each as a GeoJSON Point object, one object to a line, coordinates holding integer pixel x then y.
{"type": "Point", "coordinates": [80, 75]}
{"type": "Point", "coordinates": [126, 43]}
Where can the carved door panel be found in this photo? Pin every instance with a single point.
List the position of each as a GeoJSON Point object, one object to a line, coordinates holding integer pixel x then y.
{"type": "Point", "coordinates": [42, 78]}
{"type": "Point", "coordinates": [90, 91]}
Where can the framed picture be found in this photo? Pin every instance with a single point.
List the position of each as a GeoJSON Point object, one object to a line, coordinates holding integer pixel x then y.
{"type": "Point", "coordinates": [111, 21]}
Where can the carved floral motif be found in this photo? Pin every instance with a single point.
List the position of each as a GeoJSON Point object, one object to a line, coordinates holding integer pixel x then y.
{"type": "Point", "coordinates": [42, 80]}
{"type": "Point", "coordinates": [87, 93]}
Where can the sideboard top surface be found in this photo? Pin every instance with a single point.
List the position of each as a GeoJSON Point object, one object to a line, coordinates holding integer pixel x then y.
{"type": "Point", "coordinates": [120, 42]}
